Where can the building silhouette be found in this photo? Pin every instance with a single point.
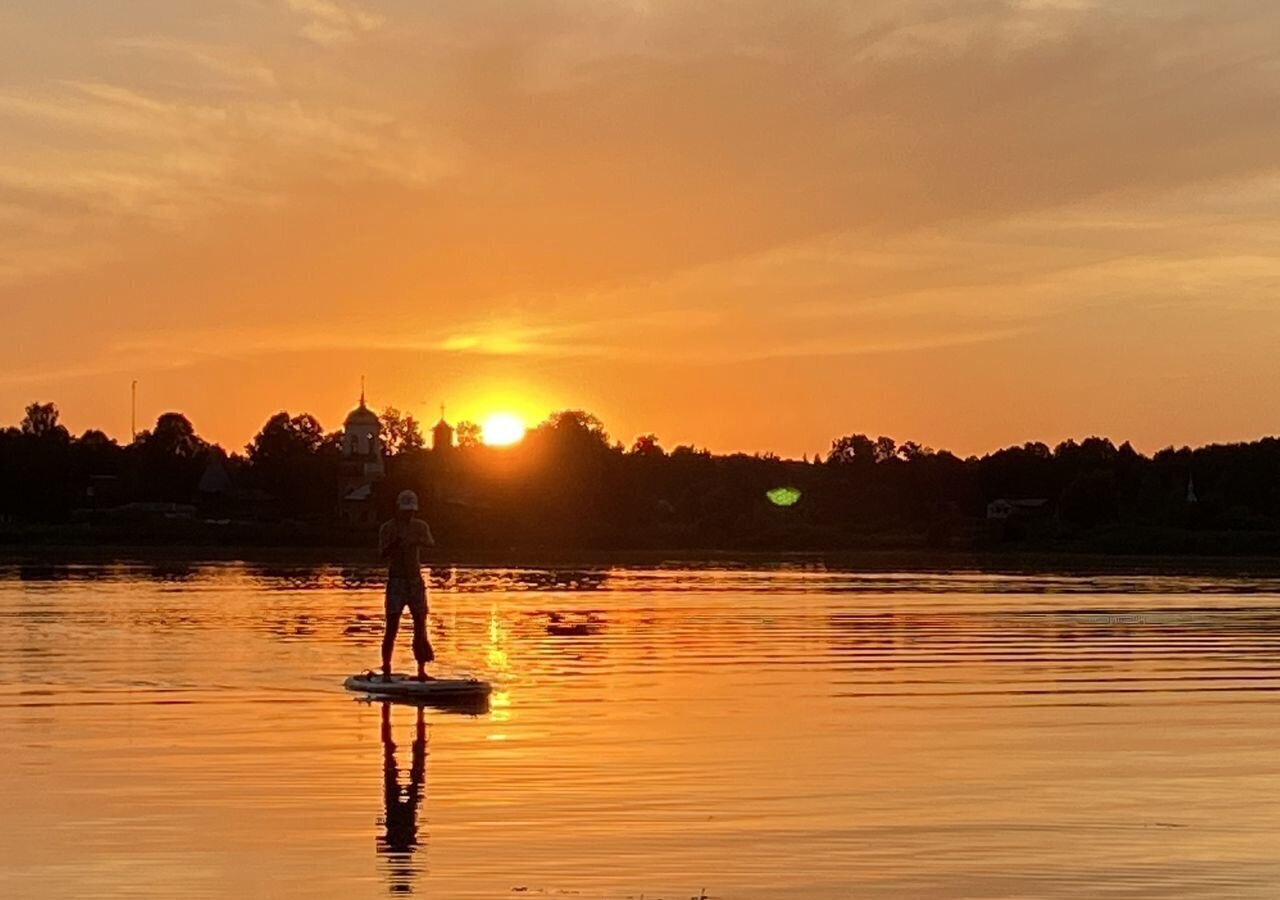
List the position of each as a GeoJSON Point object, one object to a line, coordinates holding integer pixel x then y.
{"type": "Point", "coordinates": [363, 465]}
{"type": "Point", "coordinates": [442, 435]}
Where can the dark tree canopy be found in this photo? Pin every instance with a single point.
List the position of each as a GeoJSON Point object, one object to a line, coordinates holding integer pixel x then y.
{"type": "Point", "coordinates": [647, 445]}
{"type": "Point", "coordinates": [572, 427]}
{"type": "Point", "coordinates": [853, 449]}
{"type": "Point", "coordinates": [170, 458]}
{"type": "Point", "coordinates": [401, 432]}
{"type": "Point", "coordinates": [174, 436]}
{"type": "Point", "coordinates": [567, 485]}
{"type": "Point", "coordinates": [286, 438]}
{"type": "Point", "coordinates": [41, 421]}
{"type": "Point", "coordinates": [294, 461]}
{"type": "Point", "coordinates": [468, 434]}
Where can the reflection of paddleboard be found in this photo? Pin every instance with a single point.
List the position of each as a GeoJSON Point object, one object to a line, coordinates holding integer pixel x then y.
{"type": "Point", "coordinates": [408, 686]}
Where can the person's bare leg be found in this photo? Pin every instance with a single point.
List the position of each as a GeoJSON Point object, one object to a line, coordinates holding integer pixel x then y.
{"type": "Point", "coordinates": [389, 644]}
{"type": "Point", "coordinates": [421, 646]}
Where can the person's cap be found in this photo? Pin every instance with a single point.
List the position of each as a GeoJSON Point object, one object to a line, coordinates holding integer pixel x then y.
{"type": "Point", "coordinates": [408, 501]}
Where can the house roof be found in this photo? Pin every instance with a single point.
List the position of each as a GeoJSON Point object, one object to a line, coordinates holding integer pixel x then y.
{"type": "Point", "coordinates": [364, 492]}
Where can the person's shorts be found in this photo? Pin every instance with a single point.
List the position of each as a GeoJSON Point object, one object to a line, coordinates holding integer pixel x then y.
{"type": "Point", "coordinates": [402, 592]}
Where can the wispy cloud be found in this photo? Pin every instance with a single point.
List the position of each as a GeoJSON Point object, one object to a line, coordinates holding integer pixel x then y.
{"type": "Point", "coordinates": [229, 67]}
{"type": "Point", "coordinates": [333, 22]}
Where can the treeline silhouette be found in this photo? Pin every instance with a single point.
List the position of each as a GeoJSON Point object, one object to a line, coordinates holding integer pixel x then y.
{"type": "Point", "coordinates": [568, 485]}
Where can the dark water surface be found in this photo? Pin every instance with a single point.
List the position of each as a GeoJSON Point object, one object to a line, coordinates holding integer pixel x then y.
{"type": "Point", "coordinates": [182, 732]}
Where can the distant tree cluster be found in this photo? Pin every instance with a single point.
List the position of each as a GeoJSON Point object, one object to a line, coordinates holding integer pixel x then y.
{"type": "Point", "coordinates": [569, 484]}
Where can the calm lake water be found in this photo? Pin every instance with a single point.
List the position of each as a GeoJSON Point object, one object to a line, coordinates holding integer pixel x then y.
{"type": "Point", "coordinates": [183, 732]}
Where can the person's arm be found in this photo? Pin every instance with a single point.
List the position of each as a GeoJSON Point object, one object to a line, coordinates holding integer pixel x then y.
{"type": "Point", "coordinates": [388, 540]}
{"type": "Point", "coordinates": [424, 535]}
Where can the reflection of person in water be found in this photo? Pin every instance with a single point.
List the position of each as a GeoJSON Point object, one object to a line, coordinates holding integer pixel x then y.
{"type": "Point", "coordinates": [400, 840]}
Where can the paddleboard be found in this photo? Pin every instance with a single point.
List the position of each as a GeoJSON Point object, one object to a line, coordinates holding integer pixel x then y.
{"type": "Point", "coordinates": [408, 686]}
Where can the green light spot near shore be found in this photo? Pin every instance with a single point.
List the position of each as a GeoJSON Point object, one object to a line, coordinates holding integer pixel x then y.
{"type": "Point", "coordinates": [784, 496]}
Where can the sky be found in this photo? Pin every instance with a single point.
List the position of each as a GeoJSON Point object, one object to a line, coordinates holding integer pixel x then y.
{"type": "Point", "coordinates": [742, 225]}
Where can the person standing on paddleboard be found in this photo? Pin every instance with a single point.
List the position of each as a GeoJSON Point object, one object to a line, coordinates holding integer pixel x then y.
{"type": "Point", "coordinates": [400, 542]}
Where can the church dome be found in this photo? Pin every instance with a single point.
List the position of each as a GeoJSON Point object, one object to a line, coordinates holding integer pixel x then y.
{"type": "Point", "coordinates": [362, 417]}
{"type": "Point", "coordinates": [362, 438]}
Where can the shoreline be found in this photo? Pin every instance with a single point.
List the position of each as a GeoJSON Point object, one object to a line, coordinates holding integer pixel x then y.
{"type": "Point", "coordinates": [1012, 561]}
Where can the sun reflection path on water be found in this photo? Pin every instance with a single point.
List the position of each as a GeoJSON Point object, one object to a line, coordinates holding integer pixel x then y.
{"type": "Point", "coordinates": [497, 654]}
{"type": "Point", "coordinates": [499, 663]}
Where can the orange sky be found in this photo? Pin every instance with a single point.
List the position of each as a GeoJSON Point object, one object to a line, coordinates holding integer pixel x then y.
{"type": "Point", "coordinates": [751, 226]}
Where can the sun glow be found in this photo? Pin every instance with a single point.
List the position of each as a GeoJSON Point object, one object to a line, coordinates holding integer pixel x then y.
{"type": "Point", "coordinates": [501, 429]}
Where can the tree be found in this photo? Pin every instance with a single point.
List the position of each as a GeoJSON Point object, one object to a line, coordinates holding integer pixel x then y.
{"type": "Point", "coordinates": [96, 440]}
{"type": "Point", "coordinates": [41, 421]}
{"type": "Point", "coordinates": [174, 436]}
{"type": "Point", "coordinates": [401, 432]}
{"type": "Point", "coordinates": [294, 460]}
{"type": "Point", "coordinates": [286, 438]}
{"type": "Point", "coordinates": [571, 432]}
{"type": "Point", "coordinates": [886, 449]}
{"type": "Point", "coordinates": [94, 453]}
{"type": "Point", "coordinates": [35, 467]}
{"type": "Point", "coordinates": [468, 434]}
{"type": "Point", "coordinates": [575, 422]}
{"type": "Point", "coordinates": [647, 445]}
{"type": "Point", "coordinates": [170, 459]}
{"type": "Point", "coordinates": [911, 451]}
{"type": "Point", "coordinates": [852, 448]}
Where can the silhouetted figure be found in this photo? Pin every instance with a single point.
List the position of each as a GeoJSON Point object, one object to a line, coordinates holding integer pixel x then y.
{"type": "Point", "coordinates": [400, 840]}
{"type": "Point", "coordinates": [401, 541]}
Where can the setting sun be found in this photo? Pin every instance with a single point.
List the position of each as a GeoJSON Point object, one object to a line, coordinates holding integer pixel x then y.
{"type": "Point", "coordinates": [501, 429]}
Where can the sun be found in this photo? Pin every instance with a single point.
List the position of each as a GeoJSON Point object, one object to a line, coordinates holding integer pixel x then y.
{"type": "Point", "coordinates": [501, 429]}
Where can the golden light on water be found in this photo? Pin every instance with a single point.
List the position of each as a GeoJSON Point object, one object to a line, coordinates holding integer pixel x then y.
{"type": "Point", "coordinates": [497, 655]}
{"type": "Point", "coordinates": [502, 429]}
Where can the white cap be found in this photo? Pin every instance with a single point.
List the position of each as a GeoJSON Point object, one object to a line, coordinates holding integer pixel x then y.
{"type": "Point", "coordinates": [407, 501]}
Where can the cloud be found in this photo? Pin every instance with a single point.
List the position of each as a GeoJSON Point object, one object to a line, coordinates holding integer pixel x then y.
{"type": "Point", "coordinates": [331, 22]}
{"type": "Point", "coordinates": [660, 138]}
{"type": "Point", "coordinates": [229, 67]}
{"type": "Point", "coordinates": [680, 183]}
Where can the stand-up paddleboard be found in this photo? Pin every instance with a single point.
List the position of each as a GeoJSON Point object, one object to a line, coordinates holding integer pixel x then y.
{"type": "Point", "coordinates": [408, 687]}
